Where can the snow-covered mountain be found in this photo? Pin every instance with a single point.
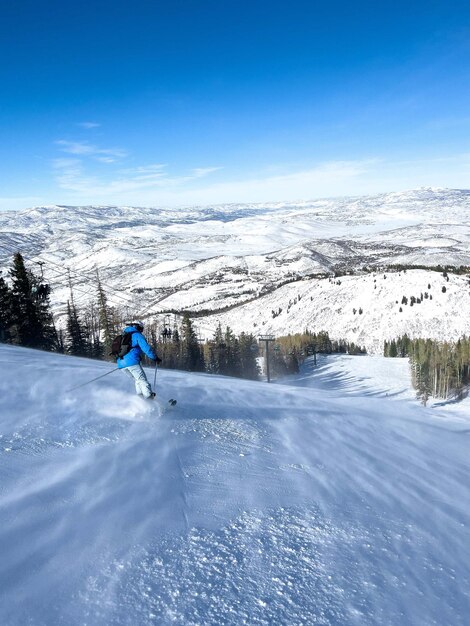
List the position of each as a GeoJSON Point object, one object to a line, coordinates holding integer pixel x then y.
{"type": "Point", "coordinates": [363, 309]}
{"type": "Point", "coordinates": [332, 498]}
{"type": "Point", "coordinates": [257, 258]}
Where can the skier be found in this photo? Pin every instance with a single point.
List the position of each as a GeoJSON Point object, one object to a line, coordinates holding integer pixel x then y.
{"type": "Point", "coordinates": [130, 362]}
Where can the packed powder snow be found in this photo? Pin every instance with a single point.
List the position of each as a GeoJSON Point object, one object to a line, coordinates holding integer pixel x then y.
{"type": "Point", "coordinates": [332, 498]}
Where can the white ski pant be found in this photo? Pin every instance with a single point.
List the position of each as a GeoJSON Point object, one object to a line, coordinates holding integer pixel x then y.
{"type": "Point", "coordinates": [142, 385]}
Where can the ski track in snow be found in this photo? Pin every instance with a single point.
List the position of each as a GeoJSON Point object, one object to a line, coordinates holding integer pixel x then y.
{"type": "Point", "coordinates": [332, 498]}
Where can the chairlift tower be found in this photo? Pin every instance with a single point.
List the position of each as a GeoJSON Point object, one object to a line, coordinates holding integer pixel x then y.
{"type": "Point", "coordinates": [267, 339]}
{"type": "Point", "coordinates": [41, 291]}
{"type": "Point", "coordinates": [70, 287]}
{"type": "Point", "coordinates": [41, 265]}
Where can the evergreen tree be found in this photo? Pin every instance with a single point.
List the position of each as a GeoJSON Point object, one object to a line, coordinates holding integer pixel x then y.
{"type": "Point", "coordinates": [229, 355]}
{"type": "Point", "coordinates": [192, 358]}
{"type": "Point", "coordinates": [232, 354]}
{"type": "Point", "coordinates": [41, 293]}
{"type": "Point", "coordinates": [105, 317]}
{"type": "Point", "coordinates": [248, 357]}
{"type": "Point", "coordinates": [211, 360]}
{"type": "Point", "coordinates": [217, 359]}
{"type": "Point", "coordinates": [176, 347]}
{"type": "Point", "coordinates": [322, 342]}
{"type": "Point", "coordinates": [6, 313]}
{"type": "Point", "coordinates": [31, 317]}
{"type": "Point", "coordinates": [76, 341]}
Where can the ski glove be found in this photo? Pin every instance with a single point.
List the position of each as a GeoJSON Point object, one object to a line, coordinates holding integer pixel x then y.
{"type": "Point", "coordinates": [158, 360]}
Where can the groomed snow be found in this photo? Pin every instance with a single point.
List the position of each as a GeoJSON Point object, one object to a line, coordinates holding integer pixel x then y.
{"type": "Point", "coordinates": [332, 498]}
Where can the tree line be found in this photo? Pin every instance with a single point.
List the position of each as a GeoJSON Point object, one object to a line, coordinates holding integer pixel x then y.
{"type": "Point", "coordinates": [289, 351]}
{"type": "Point", "coordinates": [402, 267]}
{"type": "Point", "coordinates": [440, 369]}
{"type": "Point", "coordinates": [225, 353]}
{"type": "Point", "coordinates": [26, 320]}
{"type": "Point", "coordinates": [309, 342]}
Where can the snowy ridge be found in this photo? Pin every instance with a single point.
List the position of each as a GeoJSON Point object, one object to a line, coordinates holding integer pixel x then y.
{"type": "Point", "coordinates": [214, 258]}
{"type": "Point", "coordinates": [331, 498]}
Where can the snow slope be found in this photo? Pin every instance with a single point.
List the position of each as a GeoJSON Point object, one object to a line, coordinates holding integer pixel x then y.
{"type": "Point", "coordinates": [332, 498]}
{"type": "Point", "coordinates": [364, 309]}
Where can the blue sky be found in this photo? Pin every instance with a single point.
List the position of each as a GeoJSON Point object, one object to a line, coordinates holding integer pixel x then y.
{"type": "Point", "coordinates": [185, 102]}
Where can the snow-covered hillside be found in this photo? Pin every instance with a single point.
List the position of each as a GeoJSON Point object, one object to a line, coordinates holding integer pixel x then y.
{"type": "Point", "coordinates": [332, 498]}
{"type": "Point", "coordinates": [211, 258]}
{"type": "Point", "coordinates": [365, 309]}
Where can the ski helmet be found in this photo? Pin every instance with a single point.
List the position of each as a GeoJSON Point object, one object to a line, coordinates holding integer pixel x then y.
{"type": "Point", "coordinates": [138, 325]}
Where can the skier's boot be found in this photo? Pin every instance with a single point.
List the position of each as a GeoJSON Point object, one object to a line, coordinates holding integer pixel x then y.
{"type": "Point", "coordinates": [152, 396]}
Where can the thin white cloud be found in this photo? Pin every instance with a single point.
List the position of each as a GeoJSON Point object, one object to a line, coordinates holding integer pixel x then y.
{"type": "Point", "coordinates": [71, 176]}
{"type": "Point", "coordinates": [333, 178]}
{"type": "Point", "coordinates": [88, 125]}
{"type": "Point", "coordinates": [105, 159]}
{"type": "Point", "coordinates": [146, 169]}
{"type": "Point", "coordinates": [83, 148]}
{"type": "Point", "coordinates": [154, 184]}
{"type": "Point", "coordinates": [72, 173]}
{"type": "Point", "coordinates": [329, 178]}
{"type": "Point", "coordinates": [200, 172]}
{"type": "Point", "coordinates": [145, 172]}
{"type": "Point", "coordinates": [65, 162]}
{"type": "Point", "coordinates": [74, 147]}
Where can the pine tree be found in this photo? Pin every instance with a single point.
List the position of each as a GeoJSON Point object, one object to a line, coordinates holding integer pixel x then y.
{"type": "Point", "coordinates": [232, 354]}
{"type": "Point", "coordinates": [217, 361]}
{"type": "Point", "coordinates": [43, 306]}
{"type": "Point", "coordinates": [210, 358]}
{"type": "Point", "coordinates": [76, 341]}
{"type": "Point", "coordinates": [393, 350]}
{"type": "Point", "coordinates": [31, 317]}
{"type": "Point", "coordinates": [105, 319]}
{"type": "Point", "coordinates": [249, 364]}
{"type": "Point", "coordinates": [6, 313]}
{"type": "Point", "coordinates": [192, 358]}
{"type": "Point", "coordinates": [176, 347]}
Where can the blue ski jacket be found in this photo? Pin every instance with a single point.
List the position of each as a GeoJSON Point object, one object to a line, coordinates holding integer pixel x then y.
{"type": "Point", "coordinates": [139, 346]}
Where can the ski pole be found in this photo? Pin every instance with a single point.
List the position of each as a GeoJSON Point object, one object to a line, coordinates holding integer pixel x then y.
{"type": "Point", "coordinates": [155, 378]}
{"type": "Point", "coordinates": [93, 380]}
